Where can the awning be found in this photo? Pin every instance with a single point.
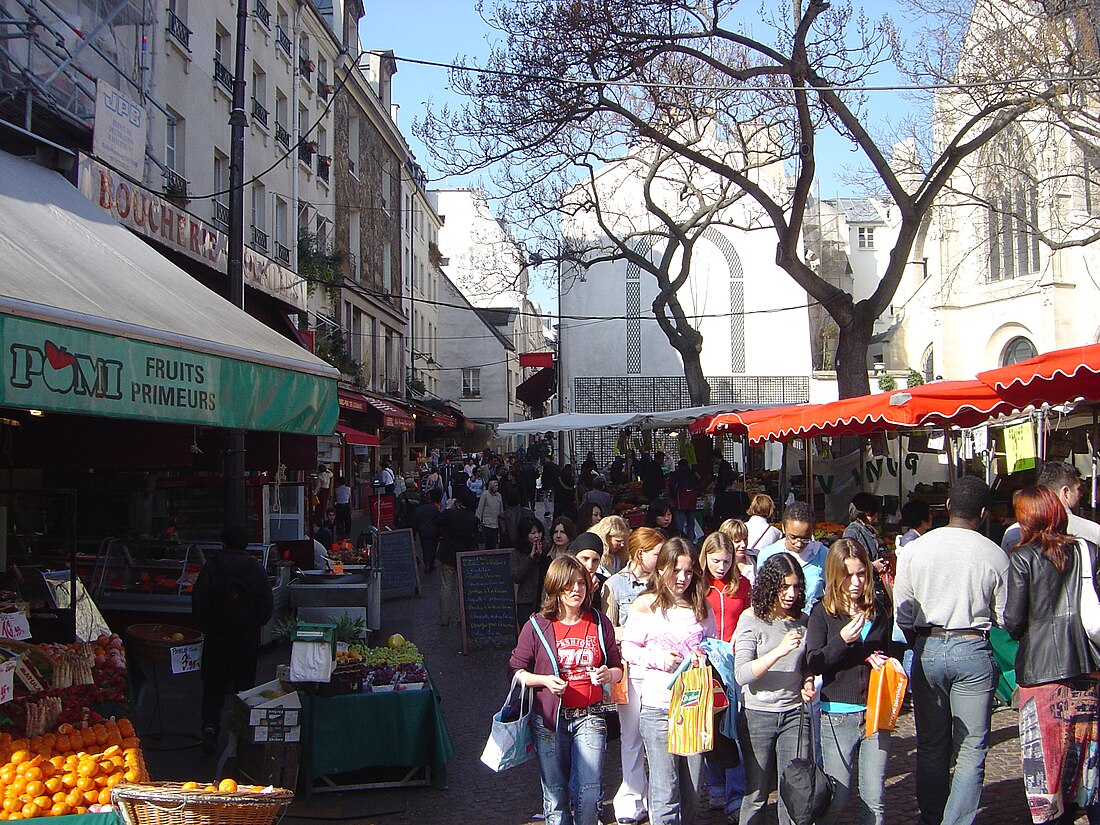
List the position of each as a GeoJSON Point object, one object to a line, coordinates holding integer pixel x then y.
{"type": "Point", "coordinates": [94, 321]}
{"type": "Point", "coordinates": [535, 390]}
{"type": "Point", "coordinates": [1051, 377]}
{"type": "Point", "coordinates": [392, 416]}
{"type": "Point", "coordinates": [569, 422]}
{"type": "Point", "coordinates": [433, 419]}
{"type": "Point", "coordinates": [537, 359]}
{"type": "Point", "coordinates": [354, 436]}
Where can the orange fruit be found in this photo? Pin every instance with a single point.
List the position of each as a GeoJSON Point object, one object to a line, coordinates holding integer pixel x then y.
{"type": "Point", "coordinates": [53, 784]}
{"type": "Point", "coordinates": [30, 810]}
{"type": "Point", "coordinates": [17, 785]}
{"type": "Point", "coordinates": [43, 802]}
{"type": "Point", "coordinates": [60, 796]}
{"type": "Point", "coordinates": [69, 780]}
{"type": "Point", "coordinates": [227, 786]}
{"type": "Point", "coordinates": [62, 744]}
{"type": "Point", "coordinates": [60, 809]}
{"type": "Point", "coordinates": [74, 798]}
{"type": "Point", "coordinates": [65, 728]}
{"type": "Point", "coordinates": [88, 767]}
{"type": "Point", "coordinates": [19, 756]}
{"type": "Point", "coordinates": [126, 728]}
{"type": "Point", "coordinates": [35, 788]}
{"type": "Point", "coordinates": [7, 774]}
{"type": "Point", "coordinates": [210, 789]}
{"type": "Point", "coordinates": [85, 783]}
{"type": "Point", "coordinates": [91, 797]}
{"type": "Point", "coordinates": [32, 774]}
{"type": "Point", "coordinates": [12, 803]}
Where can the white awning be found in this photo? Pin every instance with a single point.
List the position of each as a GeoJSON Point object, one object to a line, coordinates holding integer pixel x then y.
{"type": "Point", "coordinates": [568, 422]}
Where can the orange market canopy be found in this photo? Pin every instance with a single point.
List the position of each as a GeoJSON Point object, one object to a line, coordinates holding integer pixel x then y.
{"type": "Point", "coordinates": [1050, 378]}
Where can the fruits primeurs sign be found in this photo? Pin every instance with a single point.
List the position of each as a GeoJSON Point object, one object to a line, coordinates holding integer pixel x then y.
{"type": "Point", "coordinates": [140, 211]}
{"type": "Point", "coordinates": [52, 367]}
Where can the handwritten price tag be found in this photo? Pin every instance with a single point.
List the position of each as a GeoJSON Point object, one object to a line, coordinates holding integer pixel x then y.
{"type": "Point", "coordinates": [7, 680]}
{"type": "Point", "coordinates": [14, 626]}
{"type": "Point", "coordinates": [186, 658]}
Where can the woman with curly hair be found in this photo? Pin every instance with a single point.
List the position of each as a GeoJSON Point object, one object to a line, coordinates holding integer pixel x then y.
{"type": "Point", "coordinates": [768, 653]}
{"type": "Point", "coordinates": [667, 624]}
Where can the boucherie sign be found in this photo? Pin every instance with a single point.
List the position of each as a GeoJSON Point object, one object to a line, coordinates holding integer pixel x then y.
{"type": "Point", "coordinates": [155, 218]}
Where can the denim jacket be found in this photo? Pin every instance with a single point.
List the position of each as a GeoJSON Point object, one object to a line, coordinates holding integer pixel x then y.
{"type": "Point", "coordinates": [531, 655]}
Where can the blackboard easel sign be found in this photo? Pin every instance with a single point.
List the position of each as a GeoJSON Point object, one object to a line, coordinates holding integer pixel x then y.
{"type": "Point", "coordinates": [397, 556]}
{"type": "Point", "coordinates": [486, 598]}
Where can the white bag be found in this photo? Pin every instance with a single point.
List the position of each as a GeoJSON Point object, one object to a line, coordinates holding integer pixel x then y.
{"type": "Point", "coordinates": [1090, 604]}
{"type": "Point", "coordinates": [511, 742]}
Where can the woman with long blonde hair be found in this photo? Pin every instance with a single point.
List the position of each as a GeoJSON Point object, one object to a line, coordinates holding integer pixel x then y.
{"type": "Point", "coordinates": [848, 630]}
{"type": "Point", "coordinates": [738, 532]}
{"type": "Point", "coordinates": [613, 532]}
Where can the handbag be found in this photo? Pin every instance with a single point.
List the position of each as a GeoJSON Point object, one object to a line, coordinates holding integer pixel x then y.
{"type": "Point", "coordinates": [691, 712]}
{"type": "Point", "coordinates": [511, 741]}
{"type": "Point", "coordinates": [805, 788]}
{"type": "Point", "coordinates": [885, 693]}
{"type": "Point", "coordinates": [1090, 604]}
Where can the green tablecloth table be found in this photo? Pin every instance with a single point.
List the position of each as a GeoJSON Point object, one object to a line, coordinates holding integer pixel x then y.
{"type": "Point", "coordinates": [365, 730]}
{"type": "Point", "coordinates": [88, 819]}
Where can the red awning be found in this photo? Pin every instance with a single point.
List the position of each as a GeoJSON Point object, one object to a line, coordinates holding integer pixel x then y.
{"type": "Point", "coordinates": [942, 404]}
{"type": "Point", "coordinates": [354, 436]}
{"type": "Point", "coordinates": [392, 416]}
{"type": "Point", "coordinates": [544, 360]}
{"type": "Point", "coordinates": [1051, 378]}
{"type": "Point", "coordinates": [535, 390]}
{"type": "Point", "coordinates": [433, 419]}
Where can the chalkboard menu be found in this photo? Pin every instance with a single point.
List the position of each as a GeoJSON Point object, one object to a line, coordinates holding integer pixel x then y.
{"type": "Point", "coordinates": [486, 598]}
{"type": "Point", "coordinates": [395, 552]}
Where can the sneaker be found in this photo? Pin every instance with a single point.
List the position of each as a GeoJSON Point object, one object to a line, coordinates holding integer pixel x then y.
{"type": "Point", "coordinates": [209, 740]}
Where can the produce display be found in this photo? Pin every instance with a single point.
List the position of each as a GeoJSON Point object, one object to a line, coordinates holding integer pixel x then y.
{"type": "Point", "coordinates": [394, 666]}
{"type": "Point", "coordinates": [68, 771]}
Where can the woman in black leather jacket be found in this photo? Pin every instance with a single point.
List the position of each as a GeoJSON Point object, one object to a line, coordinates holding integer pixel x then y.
{"type": "Point", "coordinates": [1056, 663]}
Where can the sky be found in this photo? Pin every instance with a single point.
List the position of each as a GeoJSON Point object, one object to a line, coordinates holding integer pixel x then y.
{"type": "Point", "coordinates": [440, 30]}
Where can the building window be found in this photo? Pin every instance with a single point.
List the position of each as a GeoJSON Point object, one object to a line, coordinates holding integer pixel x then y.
{"type": "Point", "coordinates": [173, 142]}
{"type": "Point", "coordinates": [353, 144]}
{"type": "Point", "coordinates": [1017, 350]}
{"type": "Point", "coordinates": [221, 187]}
{"type": "Point", "coordinates": [929, 367]}
{"type": "Point", "coordinates": [387, 267]}
{"type": "Point", "coordinates": [1012, 210]}
{"type": "Point", "coordinates": [865, 237]}
{"type": "Point", "coordinates": [471, 383]}
{"type": "Point", "coordinates": [386, 193]}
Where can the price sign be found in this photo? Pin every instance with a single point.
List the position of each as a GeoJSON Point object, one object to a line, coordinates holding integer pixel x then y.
{"type": "Point", "coordinates": [7, 680]}
{"type": "Point", "coordinates": [14, 626]}
{"type": "Point", "coordinates": [186, 658]}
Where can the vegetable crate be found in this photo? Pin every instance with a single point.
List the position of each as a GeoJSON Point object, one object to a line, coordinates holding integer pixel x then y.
{"type": "Point", "coordinates": [269, 763]}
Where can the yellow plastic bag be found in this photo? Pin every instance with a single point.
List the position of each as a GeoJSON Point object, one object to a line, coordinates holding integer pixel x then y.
{"type": "Point", "coordinates": [691, 712]}
{"type": "Point", "coordinates": [885, 693]}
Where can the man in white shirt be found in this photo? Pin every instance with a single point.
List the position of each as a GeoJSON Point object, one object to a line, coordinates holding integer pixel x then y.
{"type": "Point", "coordinates": [1065, 482]}
{"type": "Point", "coordinates": [386, 477]}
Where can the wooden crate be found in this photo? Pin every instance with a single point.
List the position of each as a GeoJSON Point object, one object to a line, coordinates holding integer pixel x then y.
{"type": "Point", "coordinates": [269, 763]}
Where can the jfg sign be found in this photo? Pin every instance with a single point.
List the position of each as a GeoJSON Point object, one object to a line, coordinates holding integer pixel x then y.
{"type": "Point", "coordinates": [157, 219]}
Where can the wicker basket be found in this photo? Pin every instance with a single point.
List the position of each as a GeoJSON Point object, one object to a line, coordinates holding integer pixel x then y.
{"type": "Point", "coordinates": [153, 641]}
{"type": "Point", "coordinates": [166, 803]}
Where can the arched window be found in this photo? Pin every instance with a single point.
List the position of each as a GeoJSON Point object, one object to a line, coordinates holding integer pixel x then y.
{"type": "Point", "coordinates": [929, 367]}
{"type": "Point", "coordinates": [1017, 350]}
{"type": "Point", "coordinates": [1012, 210]}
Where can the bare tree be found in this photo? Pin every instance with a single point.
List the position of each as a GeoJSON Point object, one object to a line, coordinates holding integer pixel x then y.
{"type": "Point", "coordinates": [579, 83]}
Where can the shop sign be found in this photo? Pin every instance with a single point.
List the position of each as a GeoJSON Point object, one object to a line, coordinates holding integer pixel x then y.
{"type": "Point", "coordinates": [119, 133]}
{"type": "Point", "coordinates": [328, 449]}
{"type": "Point", "coordinates": [14, 626]}
{"type": "Point", "coordinates": [1020, 447]}
{"type": "Point", "coordinates": [155, 218]}
{"type": "Point", "coordinates": [51, 367]}
{"type": "Point", "coordinates": [7, 680]}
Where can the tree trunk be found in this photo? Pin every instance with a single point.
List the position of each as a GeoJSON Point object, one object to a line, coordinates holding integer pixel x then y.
{"type": "Point", "coordinates": [699, 393]}
{"type": "Point", "coordinates": [851, 356]}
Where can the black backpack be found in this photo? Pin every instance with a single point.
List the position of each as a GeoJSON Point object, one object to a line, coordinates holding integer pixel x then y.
{"type": "Point", "coordinates": [806, 789]}
{"type": "Point", "coordinates": [234, 603]}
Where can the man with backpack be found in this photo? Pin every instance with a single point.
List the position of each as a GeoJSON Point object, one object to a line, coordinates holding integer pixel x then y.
{"type": "Point", "coordinates": [231, 601]}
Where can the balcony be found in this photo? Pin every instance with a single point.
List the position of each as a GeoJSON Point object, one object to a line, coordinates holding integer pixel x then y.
{"type": "Point", "coordinates": [306, 150]}
{"type": "Point", "coordinates": [324, 164]}
{"type": "Point", "coordinates": [179, 31]}
{"type": "Point", "coordinates": [261, 12]}
{"type": "Point", "coordinates": [223, 76]}
{"type": "Point", "coordinates": [282, 254]}
{"type": "Point", "coordinates": [282, 135]}
{"type": "Point", "coordinates": [221, 215]}
{"type": "Point", "coordinates": [175, 184]}
{"type": "Point", "coordinates": [324, 88]}
{"type": "Point", "coordinates": [259, 113]}
{"type": "Point", "coordinates": [305, 68]}
{"type": "Point", "coordinates": [259, 239]}
{"type": "Point", "coordinates": [282, 40]}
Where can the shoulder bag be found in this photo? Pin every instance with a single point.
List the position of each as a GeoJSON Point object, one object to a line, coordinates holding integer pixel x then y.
{"type": "Point", "coordinates": [511, 741]}
{"type": "Point", "coordinates": [806, 789]}
{"type": "Point", "coordinates": [1090, 604]}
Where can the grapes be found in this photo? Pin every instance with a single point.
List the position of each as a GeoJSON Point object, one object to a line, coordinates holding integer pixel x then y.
{"type": "Point", "coordinates": [406, 653]}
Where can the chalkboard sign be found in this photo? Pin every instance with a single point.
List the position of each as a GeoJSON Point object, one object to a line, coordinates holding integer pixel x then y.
{"type": "Point", "coordinates": [395, 552]}
{"type": "Point", "coordinates": [486, 598]}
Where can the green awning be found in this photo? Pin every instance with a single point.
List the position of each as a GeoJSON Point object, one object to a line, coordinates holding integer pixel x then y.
{"type": "Point", "coordinates": [94, 321]}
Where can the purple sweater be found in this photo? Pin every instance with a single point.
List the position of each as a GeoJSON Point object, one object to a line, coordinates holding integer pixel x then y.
{"type": "Point", "coordinates": [530, 655]}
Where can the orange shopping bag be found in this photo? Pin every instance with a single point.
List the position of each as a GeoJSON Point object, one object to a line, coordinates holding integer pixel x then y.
{"type": "Point", "coordinates": [620, 691]}
{"type": "Point", "coordinates": [885, 693]}
{"type": "Point", "coordinates": [691, 712]}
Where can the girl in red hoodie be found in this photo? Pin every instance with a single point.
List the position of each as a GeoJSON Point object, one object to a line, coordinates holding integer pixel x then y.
{"type": "Point", "coordinates": [728, 593]}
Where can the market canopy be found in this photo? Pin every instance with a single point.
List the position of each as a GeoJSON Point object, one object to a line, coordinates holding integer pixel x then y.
{"type": "Point", "coordinates": [569, 422]}
{"type": "Point", "coordinates": [94, 321]}
{"type": "Point", "coordinates": [1050, 378]}
{"type": "Point", "coordinates": [944, 403]}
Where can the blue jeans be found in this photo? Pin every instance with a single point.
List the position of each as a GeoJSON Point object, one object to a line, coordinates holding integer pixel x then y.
{"type": "Point", "coordinates": [571, 766]}
{"type": "Point", "coordinates": [953, 684]}
{"type": "Point", "coordinates": [673, 780]}
{"type": "Point", "coordinates": [769, 741]}
{"type": "Point", "coordinates": [843, 747]}
{"type": "Point", "coordinates": [727, 784]}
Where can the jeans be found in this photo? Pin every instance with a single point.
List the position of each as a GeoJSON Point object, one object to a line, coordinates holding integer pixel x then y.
{"type": "Point", "coordinates": [769, 741]}
{"type": "Point", "coordinates": [684, 522]}
{"type": "Point", "coordinates": [446, 591]}
{"type": "Point", "coordinates": [571, 765]}
{"type": "Point", "coordinates": [673, 780]}
{"type": "Point", "coordinates": [630, 799]}
{"type": "Point", "coordinates": [843, 747]}
{"type": "Point", "coordinates": [490, 537]}
{"type": "Point", "coordinates": [953, 684]}
{"type": "Point", "coordinates": [727, 784]}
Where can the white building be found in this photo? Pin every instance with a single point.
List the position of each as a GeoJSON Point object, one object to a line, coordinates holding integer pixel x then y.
{"type": "Point", "coordinates": [422, 264]}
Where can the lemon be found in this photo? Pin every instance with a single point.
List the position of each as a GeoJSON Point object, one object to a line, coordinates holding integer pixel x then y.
{"type": "Point", "coordinates": [396, 640]}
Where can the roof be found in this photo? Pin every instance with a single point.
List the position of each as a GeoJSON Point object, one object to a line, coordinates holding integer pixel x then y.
{"type": "Point", "coordinates": [858, 210]}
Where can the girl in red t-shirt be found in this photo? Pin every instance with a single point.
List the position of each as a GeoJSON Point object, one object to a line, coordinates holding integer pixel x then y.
{"type": "Point", "coordinates": [729, 594]}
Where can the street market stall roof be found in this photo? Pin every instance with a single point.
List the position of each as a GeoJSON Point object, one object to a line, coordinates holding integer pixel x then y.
{"type": "Point", "coordinates": [942, 404]}
{"type": "Point", "coordinates": [569, 422]}
{"type": "Point", "coordinates": [1049, 378]}
{"type": "Point", "coordinates": [94, 321]}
